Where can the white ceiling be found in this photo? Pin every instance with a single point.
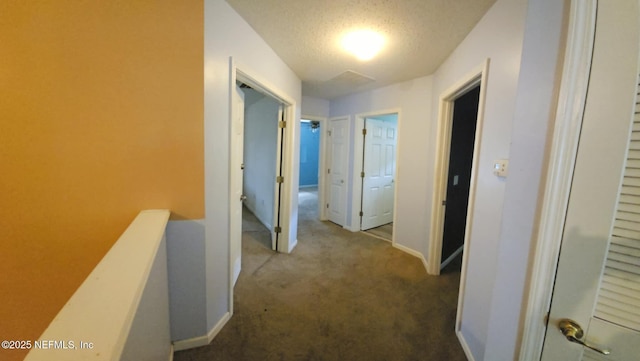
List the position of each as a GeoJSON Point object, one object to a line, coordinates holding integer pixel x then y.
{"type": "Point", "coordinates": [306, 35]}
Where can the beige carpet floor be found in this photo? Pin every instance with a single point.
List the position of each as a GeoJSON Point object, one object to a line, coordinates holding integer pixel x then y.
{"type": "Point", "coordinates": [338, 296]}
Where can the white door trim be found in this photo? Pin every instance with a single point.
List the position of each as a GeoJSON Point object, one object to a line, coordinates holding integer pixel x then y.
{"type": "Point", "coordinates": [564, 148]}
{"type": "Point", "coordinates": [288, 199]}
{"type": "Point", "coordinates": [356, 189]}
{"type": "Point", "coordinates": [477, 76]}
{"type": "Point", "coordinates": [278, 190]}
{"type": "Point", "coordinates": [289, 191]}
{"type": "Point", "coordinates": [232, 87]}
{"type": "Point", "coordinates": [322, 165]}
{"type": "Point", "coordinates": [445, 119]}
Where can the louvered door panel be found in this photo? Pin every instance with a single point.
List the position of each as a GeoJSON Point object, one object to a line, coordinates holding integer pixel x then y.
{"type": "Point", "coordinates": [619, 294]}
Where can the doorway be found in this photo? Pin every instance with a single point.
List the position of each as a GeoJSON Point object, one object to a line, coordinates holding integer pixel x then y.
{"type": "Point", "coordinates": [310, 131]}
{"type": "Point", "coordinates": [383, 125]}
{"type": "Point", "coordinates": [309, 180]}
{"type": "Point", "coordinates": [476, 79]}
{"type": "Point", "coordinates": [337, 176]}
{"type": "Point", "coordinates": [281, 189]}
{"type": "Point", "coordinates": [463, 132]}
{"type": "Point", "coordinates": [255, 164]}
{"type": "Point", "coordinates": [378, 175]}
{"type": "Point", "coordinates": [458, 180]}
{"type": "Point", "coordinates": [260, 157]}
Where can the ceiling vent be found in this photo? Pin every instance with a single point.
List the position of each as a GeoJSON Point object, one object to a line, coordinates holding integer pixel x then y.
{"type": "Point", "coordinates": [350, 78]}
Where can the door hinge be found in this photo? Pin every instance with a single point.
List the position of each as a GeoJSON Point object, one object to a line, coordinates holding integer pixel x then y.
{"type": "Point", "coordinates": [361, 174]}
{"type": "Point", "coordinates": [277, 229]}
{"type": "Point", "coordinates": [328, 170]}
{"type": "Point", "coordinates": [279, 179]}
{"type": "Point", "coordinates": [282, 124]}
{"type": "Point", "coordinates": [327, 205]}
{"type": "Point", "coordinates": [361, 214]}
{"type": "Point", "coordinates": [242, 166]}
{"type": "Point", "coordinates": [444, 203]}
{"type": "Point", "coordinates": [328, 132]}
{"type": "Point", "coordinates": [364, 131]}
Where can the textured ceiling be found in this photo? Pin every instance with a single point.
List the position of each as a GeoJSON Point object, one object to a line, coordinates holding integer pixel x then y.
{"type": "Point", "coordinates": [420, 34]}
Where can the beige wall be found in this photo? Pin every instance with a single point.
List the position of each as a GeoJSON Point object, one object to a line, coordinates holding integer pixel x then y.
{"type": "Point", "coordinates": [101, 115]}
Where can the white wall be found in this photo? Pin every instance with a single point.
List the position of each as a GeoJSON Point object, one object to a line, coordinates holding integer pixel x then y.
{"type": "Point", "coordinates": [228, 35]}
{"type": "Point", "coordinates": [121, 310]}
{"type": "Point", "coordinates": [534, 114]}
{"type": "Point", "coordinates": [260, 141]}
{"type": "Point", "coordinates": [497, 36]}
{"type": "Point", "coordinates": [149, 337]}
{"type": "Point", "coordinates": [413, 98]}
{"type": "Point", "coordinates": [186, 267]}
{"type": "Point", "coordinates": [315, 107]}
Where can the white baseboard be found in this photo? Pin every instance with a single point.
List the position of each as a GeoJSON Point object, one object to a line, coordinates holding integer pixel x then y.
{"type": "Point", "coordinates": [202, 340]}
{"type": "Point", "coordinates": [292, 245]}
{"type": "Point", "coordinates": [190, 343]}
{"type": "Point", "coordinates": [259, 216]}
{"type": "Point", "coordinates": [425, 264]}
{"type": "Point", "coordinates": [412, 252]}
{"type": "Point", "coordinates": [218, 327]}
{"type": "Point", "coordinates": [465, 346]}
{"type": "Point", "coordinates": [353, 228]}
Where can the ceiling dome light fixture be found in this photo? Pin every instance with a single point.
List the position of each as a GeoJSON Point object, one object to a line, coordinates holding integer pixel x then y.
{"type": "Point", "coordinates": [364, 44]}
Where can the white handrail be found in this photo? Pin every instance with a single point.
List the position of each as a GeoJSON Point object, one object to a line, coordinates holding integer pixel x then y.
{"type": "Point", "coordinates": [96, 321]}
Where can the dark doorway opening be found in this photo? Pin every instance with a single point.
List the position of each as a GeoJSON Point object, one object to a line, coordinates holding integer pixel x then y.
{"type": "Point", "coordinates": [463, 131]}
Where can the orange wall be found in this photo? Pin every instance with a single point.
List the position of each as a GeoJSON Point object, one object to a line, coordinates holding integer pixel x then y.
{"type": "Point", "coordinates": [101, 115]}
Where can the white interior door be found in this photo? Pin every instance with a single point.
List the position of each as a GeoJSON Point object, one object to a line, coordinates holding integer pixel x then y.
{"type": "Point", "coordinates": [236, 179]}
{"type": "Point", "coordinates": [338, 161]}
{"type": "Point", "coordinates": [379, 172]}
{"type": "Point", "coordinates": [598, 278]}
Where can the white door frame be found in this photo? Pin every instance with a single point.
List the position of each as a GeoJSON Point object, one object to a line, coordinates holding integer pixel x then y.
{"type": "Point", "coordinates": [564, 149]}
{"type": "Point", "coordinates": [238, 74]}
{"type": "Point", "coordinates": [322, 160]}
{"type": "Point", "coordinates": [356, 188]}
{"type": "Point", "coordinates": [287, 206]}
{"type": "Point", "coordinates": [443, 145]}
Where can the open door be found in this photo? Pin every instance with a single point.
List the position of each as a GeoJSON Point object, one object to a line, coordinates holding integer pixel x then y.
{"type": "Point", "coordinates": [277, 229]}
{"type": "Point", "coordinates": [261, 153]}
{"type": "Point", "coordinates": [595, 308]}
{"type": "Point", "coordinates": [267, 179]}
{"type": "Point", "coordinates": [236, 178]}
{"type": "Point", "coordinates": [463, 131]}
{"type": "Point", "coordinates": [378, 175]}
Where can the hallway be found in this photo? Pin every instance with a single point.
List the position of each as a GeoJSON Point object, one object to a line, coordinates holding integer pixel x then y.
{"type": "Point", "coordinates": [338, 296]}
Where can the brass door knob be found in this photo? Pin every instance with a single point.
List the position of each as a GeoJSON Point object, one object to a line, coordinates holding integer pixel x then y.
{"type": "Point", "coordinates": [573, 332]}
